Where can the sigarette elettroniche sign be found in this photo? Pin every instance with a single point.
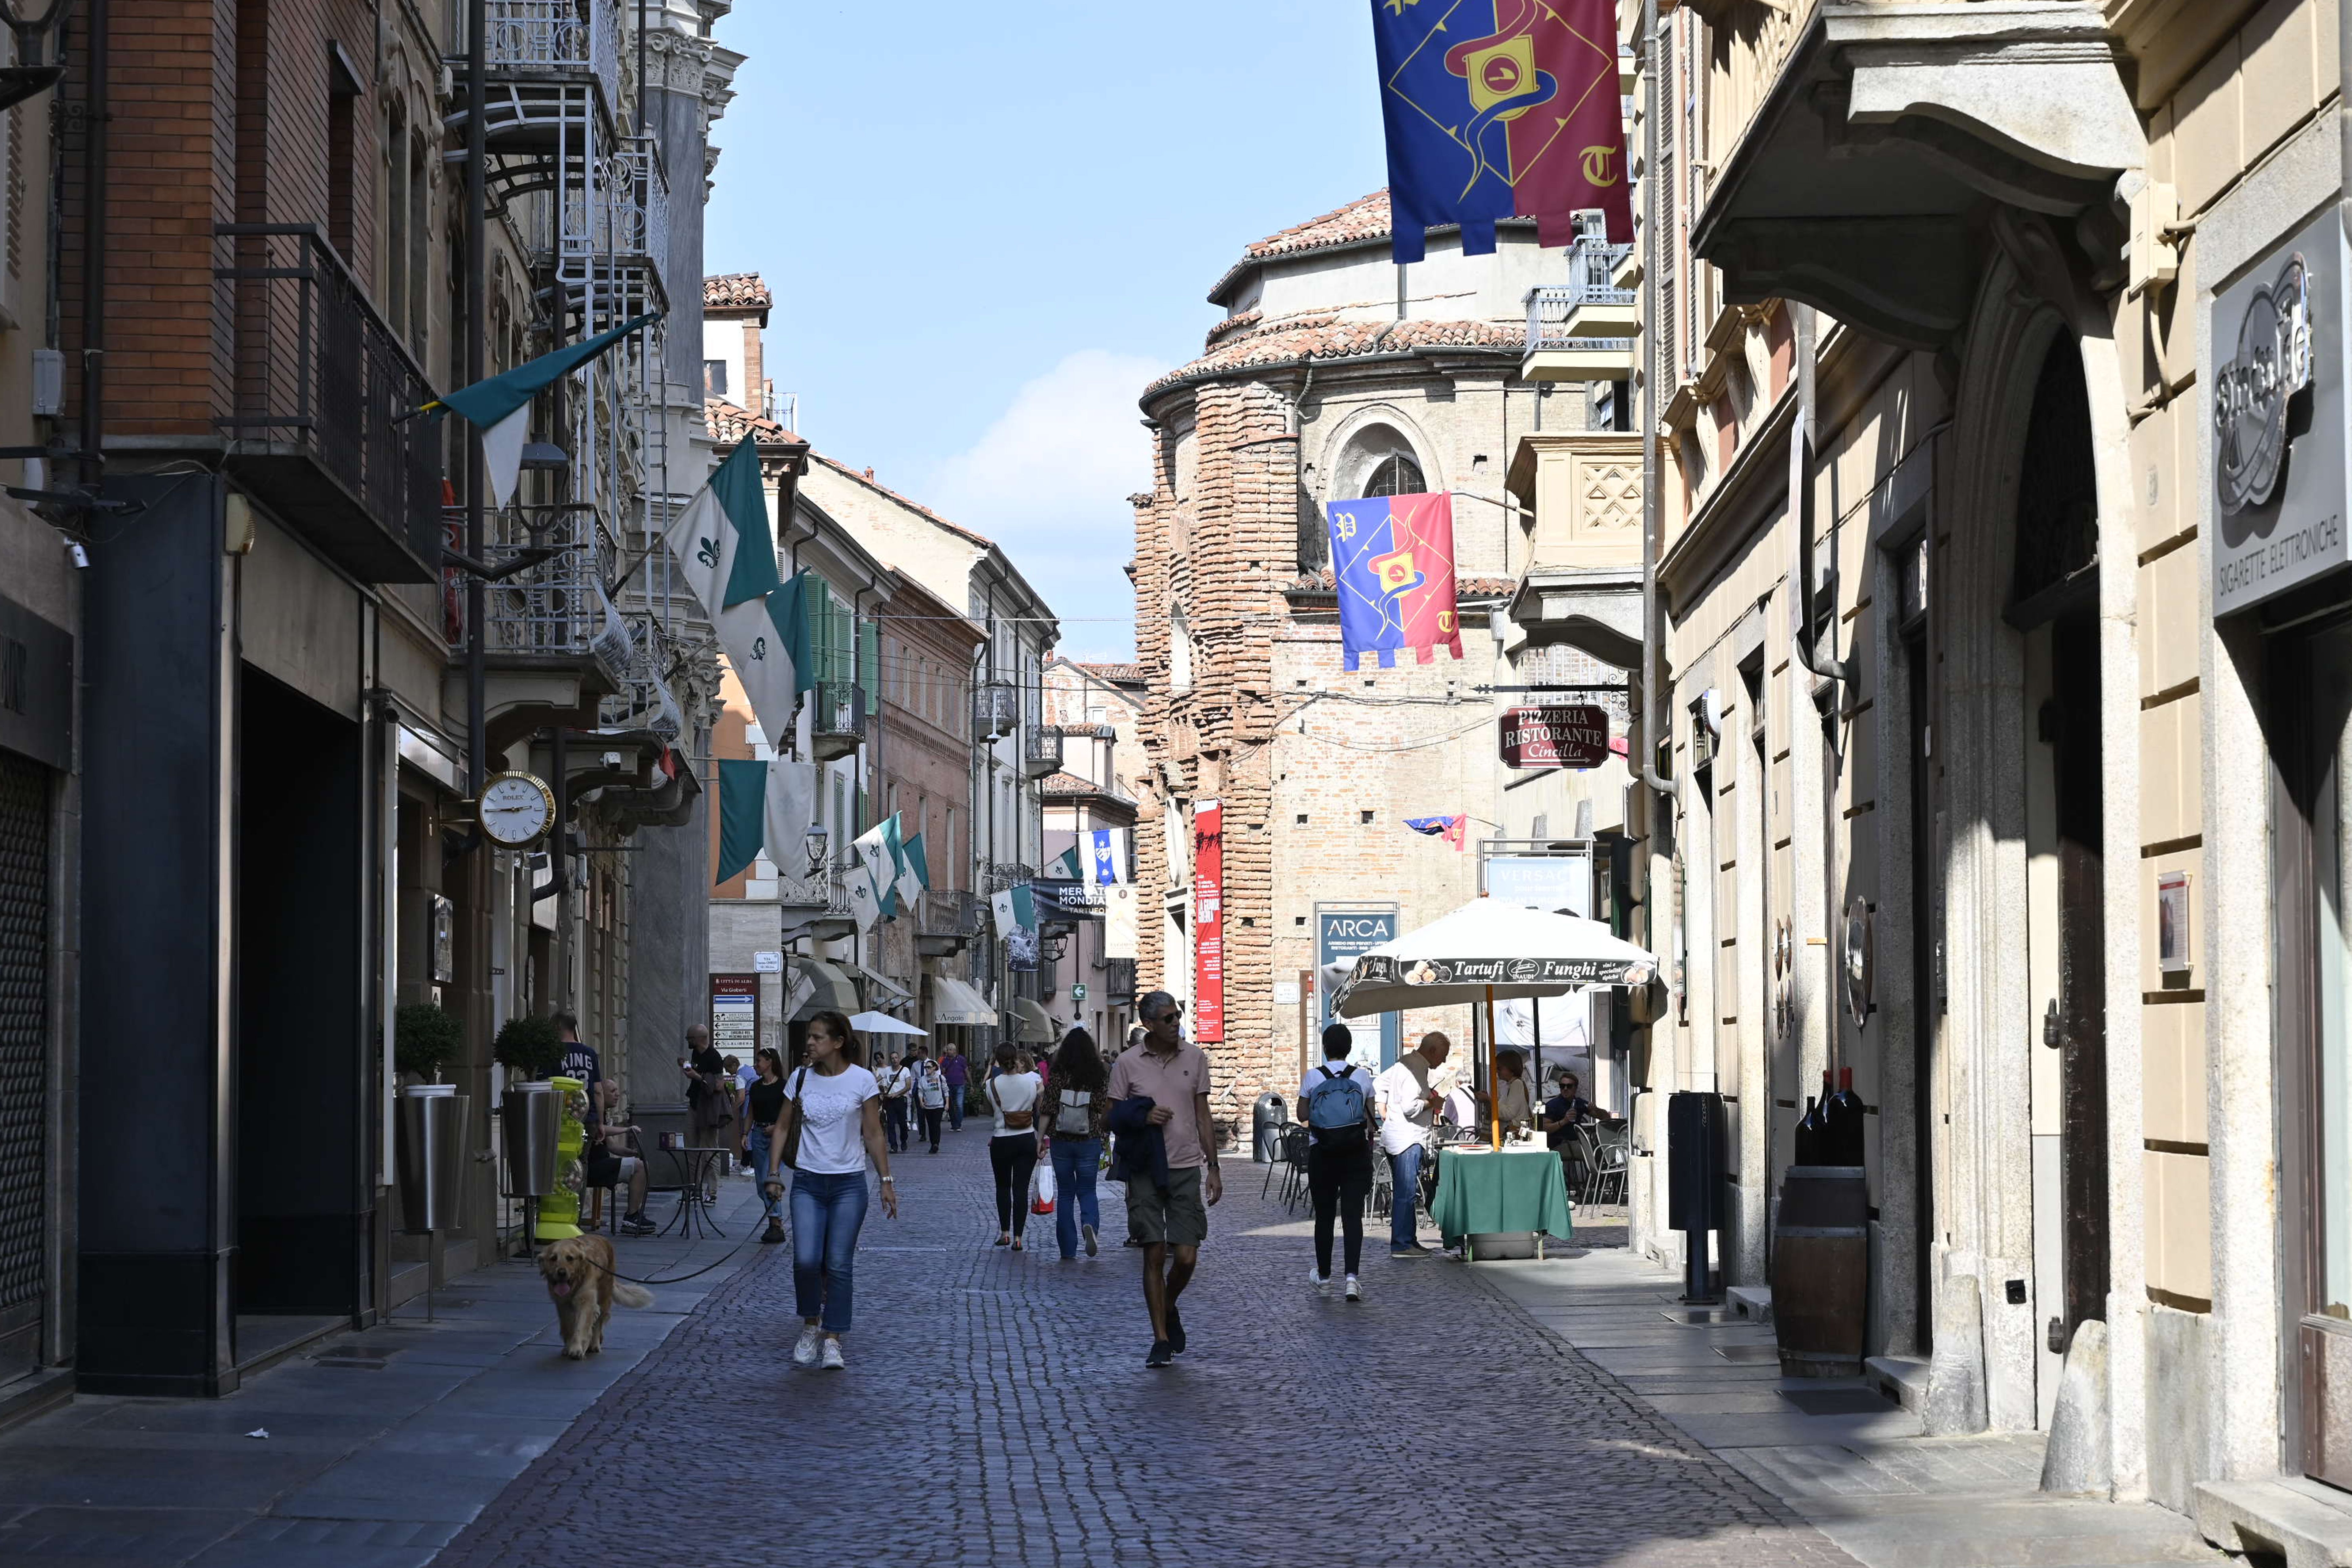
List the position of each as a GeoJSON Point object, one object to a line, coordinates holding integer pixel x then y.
{"type": "Point", "coordinates": [2279, 449]}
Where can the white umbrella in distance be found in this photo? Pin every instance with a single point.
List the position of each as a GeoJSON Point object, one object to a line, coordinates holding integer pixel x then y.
{"type": "Point", "coordinates": [1491, 951]}
{"type": "Point", "coordinates": [883, 1023]}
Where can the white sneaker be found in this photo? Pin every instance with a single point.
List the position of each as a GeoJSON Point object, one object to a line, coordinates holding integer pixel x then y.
{"type": "Point", "coordinates": [832, 1361]}
{"type": "Point", "coordinates": [805, 1353]}
{"type": "Point", "coordinates": [1322, 1282]}
{"type": "Point", "coordinates": [1355, 1291]}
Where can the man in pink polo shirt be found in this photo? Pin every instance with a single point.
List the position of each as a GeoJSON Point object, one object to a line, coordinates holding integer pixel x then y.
{"type": "Point", "coordinates": [1170, 1224]}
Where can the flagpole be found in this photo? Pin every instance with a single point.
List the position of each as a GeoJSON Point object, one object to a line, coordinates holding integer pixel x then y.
{"type": "Point", "coordinates": [1493, 1077]}
{"type": "Point", "coordinates": [477, 35]}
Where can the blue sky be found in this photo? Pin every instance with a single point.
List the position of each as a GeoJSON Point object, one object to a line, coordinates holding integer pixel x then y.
{"type": "Point", "coordinates": [986, 227]}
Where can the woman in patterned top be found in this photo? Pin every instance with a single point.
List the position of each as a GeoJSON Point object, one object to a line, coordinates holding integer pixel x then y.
{"type": "Point", "coordinates": [1070, 1132]}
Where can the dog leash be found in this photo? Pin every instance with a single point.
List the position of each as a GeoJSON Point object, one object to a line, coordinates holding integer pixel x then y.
{"type": "Point", "coordinates": [678, 1279]}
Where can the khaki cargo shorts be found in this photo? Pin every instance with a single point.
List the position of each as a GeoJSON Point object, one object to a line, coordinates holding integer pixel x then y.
{"type": "Point", "coordinates": [1176, 1218]}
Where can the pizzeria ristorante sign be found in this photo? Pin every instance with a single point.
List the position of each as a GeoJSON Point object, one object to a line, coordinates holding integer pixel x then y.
{"type": "Point", "coordinates": [2279, 453]}
{"type": "Point", "coordinates": [1554, 735]}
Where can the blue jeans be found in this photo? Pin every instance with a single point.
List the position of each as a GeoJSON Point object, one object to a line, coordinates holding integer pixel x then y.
{"type": "Point", "coordinates": [826, 1212]}
{"type": "Point", "coordinates": [1406, 1168]}
{"type": "Point", "coordinates": [955, 1107]}
{"type": "Point", "coordinates": [763, 1139]}
{"type": "Point", "coordinates": [1076, 1162]}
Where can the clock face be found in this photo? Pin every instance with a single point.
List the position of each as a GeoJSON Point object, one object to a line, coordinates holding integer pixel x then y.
{"type": "Point", "coordinates": [515, 809]}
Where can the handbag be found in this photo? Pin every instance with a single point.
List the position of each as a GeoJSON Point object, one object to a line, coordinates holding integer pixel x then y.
{"type": "Point", "coordinates": [792, 1138]}
{"type": "Point", "coordinates": [1041, 1190]}
{"type": "Point", "coordinates": [1020, 1121]}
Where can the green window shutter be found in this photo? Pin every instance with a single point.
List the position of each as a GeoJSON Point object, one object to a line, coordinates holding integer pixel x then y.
{"type": "Point", "coordinates": [870, 664]}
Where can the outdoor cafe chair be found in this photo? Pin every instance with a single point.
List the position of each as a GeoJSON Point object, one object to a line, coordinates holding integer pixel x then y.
{"type": "Point", "coordinates": [1611, 1156]}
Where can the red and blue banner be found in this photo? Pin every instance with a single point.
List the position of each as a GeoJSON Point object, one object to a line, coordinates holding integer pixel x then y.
{"type": "Point", "coordinates": [1501, 108]}
{"type": "Point", "coordinates": [1450, 829]}
{"type": "Point", "coordinates": [1393, 563]}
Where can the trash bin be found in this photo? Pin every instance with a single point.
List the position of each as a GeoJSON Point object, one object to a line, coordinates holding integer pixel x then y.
{"type": "Point", "coordinates": [1266, 1128]}
{"type": "Point", "coordinates": [429, 1157]}
{"type": "Point", "coordinates": [533, 1114]}
{"type": "Point", "coordinates": [1695, 1203]}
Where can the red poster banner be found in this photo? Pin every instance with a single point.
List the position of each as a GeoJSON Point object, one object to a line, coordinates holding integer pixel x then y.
{"type": "Point", "coordinates": [1208, 923]}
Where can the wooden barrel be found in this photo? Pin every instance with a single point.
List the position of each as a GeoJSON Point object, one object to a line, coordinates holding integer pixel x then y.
{"type": "Point", "coordinates": [1821, 1269]}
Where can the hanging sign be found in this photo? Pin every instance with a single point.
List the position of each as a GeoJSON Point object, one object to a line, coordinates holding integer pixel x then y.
{"type": "Point", "coordinates": [1208, 923]}
{"type": "Point", "coordinates": [1557, 735]}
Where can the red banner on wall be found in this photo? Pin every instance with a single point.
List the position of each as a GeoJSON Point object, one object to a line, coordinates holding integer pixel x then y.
{"type": "Point", "coordinates": [1208, 923]}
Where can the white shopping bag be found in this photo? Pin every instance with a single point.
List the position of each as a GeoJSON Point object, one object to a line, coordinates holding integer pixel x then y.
{"type": "Point", "coordinates": [1041, 1189]}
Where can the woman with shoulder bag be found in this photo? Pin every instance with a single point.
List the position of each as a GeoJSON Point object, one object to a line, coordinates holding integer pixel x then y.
{"type": "Point", "coordinates": [1071, 1130]}
{"type": "Point", "coordinates": [1013, 1147]}
{"type": "Point", "coordinates": [763, 1102]}
{"type": "Point", "coordinates": [829, 1133]}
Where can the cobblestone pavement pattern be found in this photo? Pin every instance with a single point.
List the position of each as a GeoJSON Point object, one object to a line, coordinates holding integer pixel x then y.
{"type": "Point", "coordinates": [997, 1411]}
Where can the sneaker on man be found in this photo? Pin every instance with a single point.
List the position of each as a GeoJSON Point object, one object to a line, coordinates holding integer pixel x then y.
{"type": "Point", "coordinates": [1161, 1354]}
{"type": "Point", "coordinates": [637, 1225]}
{"type": "Point", "coordinates": [1414, 1249]}
{"type": "Point", "coordinates": [1175, 1333]}
{"type": "Point", "coordinates": [832, 1361]}
{"type": "Point", "coordinates": [1355, 1291]}
{"type": "Point", "coordinates": [1321, 1282]}
{"type": "Point", "coordinates": [804, 1354]}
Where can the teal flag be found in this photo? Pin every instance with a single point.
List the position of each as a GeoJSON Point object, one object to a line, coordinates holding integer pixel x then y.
{"type": "Point", "coordinates": [743, 813]}
{"type": "Point", "coordinates": [920, 858]}
{"type": "Point", "coordinates": [745, 501]}
{"type": "Point", "coordinates": [500, 406]}
{"type": "Point", "coordinates": [1066, 865]}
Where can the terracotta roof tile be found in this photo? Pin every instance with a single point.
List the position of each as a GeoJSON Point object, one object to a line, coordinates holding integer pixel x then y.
{"type": "Point", "coordinates": [729, 423]}
{"type": "Point", "coordinates": [1113, 672]}
{"type": "Point", "coordinates": [742, 290]}
{"type": "Point", "coordinates": [1328, 338]}
{"type": "Point", "coordinates": [1069, 784]}
{"type": "Point", "coordinates": [1366, 217]}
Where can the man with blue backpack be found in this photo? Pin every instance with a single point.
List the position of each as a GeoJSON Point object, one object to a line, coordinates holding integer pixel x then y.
{"type": "Point", "coordinates": [1336, 1105]}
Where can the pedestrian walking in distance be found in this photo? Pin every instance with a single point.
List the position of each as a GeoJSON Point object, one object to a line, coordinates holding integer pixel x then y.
{"type": "Point", "coordinates": [1013, 1091]}
{"type": "Point", "coordinates": [763, 1102]}
{"type": "Point", "coordinates": [897, 1082]}
{"type": "Point", "coordinates": [837, 1107]}
{"type": "Point", "coordinates": [930, 1097]}
{"type": "Point", "coordinates": [1167, 1157]}
{"type": "Point", "coordinates": [1070, 1128]}
{"type": "Point", "coordinates": [1337, 1101]}
{"type": "Point", "coordinates": [956, 1068]}
{"type": "Point", "coordinates": [1408, 1108]}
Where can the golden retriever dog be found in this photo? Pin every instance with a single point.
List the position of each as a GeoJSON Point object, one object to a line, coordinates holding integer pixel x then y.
{"type": "Point", "coordinates": [579, 1274]}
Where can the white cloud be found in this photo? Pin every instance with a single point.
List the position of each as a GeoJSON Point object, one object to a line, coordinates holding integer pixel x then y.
{"type": "Point", "coordinates": [1049, 480]}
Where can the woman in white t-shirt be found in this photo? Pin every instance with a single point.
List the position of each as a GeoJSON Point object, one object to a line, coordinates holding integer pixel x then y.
{"type": "Point", "coordinates": [837, 1106]}
{"type": "Point", "coordinates": [1013, 1089]}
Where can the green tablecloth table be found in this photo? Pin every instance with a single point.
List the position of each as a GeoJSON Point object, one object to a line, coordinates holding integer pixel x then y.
{"type": "Point", "coordinates": [1482, 1191]}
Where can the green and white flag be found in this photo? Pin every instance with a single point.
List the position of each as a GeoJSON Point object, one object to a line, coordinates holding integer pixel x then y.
{"type": "Point", "coordinates": [767, 644]}
{"type": "Point", "coordinates": [791, 807]}
{"type": "Point", "coordinates": [1065, 865]}
{"type": "Point", "coordinates": [906, 887]}
{"type": "Point", "coordinates": [915, 872]}
{"type": "Point", "coordinates": [869, 876]}
{"type": "Point", "coordinates": [500, 406]}
{"type": "Point", "coordinates": [721, 542]}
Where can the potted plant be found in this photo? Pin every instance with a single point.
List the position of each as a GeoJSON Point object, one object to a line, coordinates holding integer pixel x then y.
{"type": "Point", "coordinates": [529, 1047]}
{"type": "Point", "coordinates": [425, 1037]}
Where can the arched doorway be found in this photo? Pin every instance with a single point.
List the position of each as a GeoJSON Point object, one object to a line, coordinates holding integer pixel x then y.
{"type": "Point", "coordinates": [2053, 604]}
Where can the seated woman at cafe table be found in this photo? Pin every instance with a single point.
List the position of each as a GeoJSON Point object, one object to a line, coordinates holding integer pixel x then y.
{"type": "Point", "coordinates": [1514, 1095]}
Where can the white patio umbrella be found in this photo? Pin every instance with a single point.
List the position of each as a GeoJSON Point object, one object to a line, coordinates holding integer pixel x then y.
{"type": "Point", "coordinates": [1491, 951]}
{"type": "Point", "coordinates": [883, 1023]}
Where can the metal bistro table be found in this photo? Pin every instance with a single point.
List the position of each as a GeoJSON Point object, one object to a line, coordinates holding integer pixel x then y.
{"type": "Point", "coordinates": [1514, 1191]}
{"type": "Point", "coordinates": [693, 1215]}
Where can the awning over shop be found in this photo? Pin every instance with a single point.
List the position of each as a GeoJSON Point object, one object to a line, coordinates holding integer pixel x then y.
{"type": "Point", "coordinates": [954, 1003]}
{"type": "Point", "coordinates": [1031, 1023]}
{"type": "Point", "coordinates": [881, 990]}
{"type": "Point", "coordinates": [818, 986]}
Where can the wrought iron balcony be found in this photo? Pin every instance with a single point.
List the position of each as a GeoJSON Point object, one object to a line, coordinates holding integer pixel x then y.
{"type": "Point", "coordinates": [1583, 330]}
{"type": "Point", "coordinates": [998, 875]}
{"type": "Point", "coordinates": [1119, 979]}
{"type": "Point", "coordinates": [836, 719]}
{"type": "Point", "coordinates": [645, 700]}
{"type": "Point", "coordinates": [322, 422]}
{"type": "Point", "coordinates": [556, 37]}
{"type": "Point", "coordinates": [995, 710]}
{"type": "Point", "coordinates": [946, 921]}
{"type": "Point", "coordinates": [558, 611]}
{"type": "Point", "coordinates": [1041, 751]}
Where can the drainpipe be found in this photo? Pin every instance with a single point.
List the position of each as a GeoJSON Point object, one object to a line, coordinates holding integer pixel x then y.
{"type": "Point", "coordinates": [1654, 638]}
{"type": "Point", "coordinates": [1800, 507]}
{"type": "Point", "coordinates": [477, 48]}
{"type": "Point", "coordinates": [94, 247]}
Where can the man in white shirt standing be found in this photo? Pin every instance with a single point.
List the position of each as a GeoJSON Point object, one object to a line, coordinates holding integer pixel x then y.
{"type": "Point", "coordinates": [1408, 1106]}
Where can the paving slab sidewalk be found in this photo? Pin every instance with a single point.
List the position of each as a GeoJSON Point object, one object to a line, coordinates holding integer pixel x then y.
{"type": "Point", "coordinates": [1841, 1456]}
{"type": "Point", "coordinates": [383, 1444]}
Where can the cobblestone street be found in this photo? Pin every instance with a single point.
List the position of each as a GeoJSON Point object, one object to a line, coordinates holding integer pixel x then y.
{"type": "Point", "coordinates": [997, 1410]}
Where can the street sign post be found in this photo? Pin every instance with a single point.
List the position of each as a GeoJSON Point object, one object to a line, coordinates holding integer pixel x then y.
{"type": "Point", "coordinates": [1554, 735]}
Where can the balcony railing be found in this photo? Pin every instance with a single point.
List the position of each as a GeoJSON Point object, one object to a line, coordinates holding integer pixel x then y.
{"type": "Point", "coordinates": [998, 875]}
{"type": "Point", "coordinates": [1041, 751]}
{"type": "Point", "coordinates": [559, 610]}
{"type": "Point", "coordinates": [823, 889]}
{"type": "Point", "coordinates": [1552, 308]}
{"type": "Point", "coordinates": [644, 700]}
{"type": "Point", "coordinates": [557, 36]}
{"type": "Point", "coordinates": [836, 718]}
{"type": "Point", "coordinates": [323, 423]}
{"type": "Point", "coordinates": [1119, 979]}
{"type": "Point", "coordinates": [947, 920]}
{"type": "Point", "coordinates": [995, 710]}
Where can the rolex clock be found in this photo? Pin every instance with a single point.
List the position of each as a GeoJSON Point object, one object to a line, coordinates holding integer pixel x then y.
{"type": "Point", "coordinates": [515, 809]}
